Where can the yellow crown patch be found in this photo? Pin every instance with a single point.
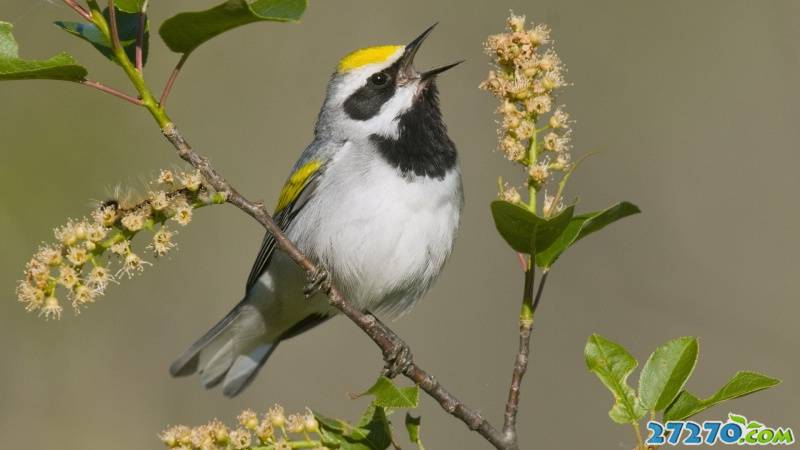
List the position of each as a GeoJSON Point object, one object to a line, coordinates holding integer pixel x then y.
{"type": "Point", "coordinates": [370, 55]}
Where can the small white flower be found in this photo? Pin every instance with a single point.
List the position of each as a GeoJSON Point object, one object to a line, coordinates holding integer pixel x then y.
{"type": "Point", "coordinates": [132, 264]}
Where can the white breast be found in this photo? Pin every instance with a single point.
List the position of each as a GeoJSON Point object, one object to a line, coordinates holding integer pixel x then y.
{"type": "Point", "coordinates": [383, 237]}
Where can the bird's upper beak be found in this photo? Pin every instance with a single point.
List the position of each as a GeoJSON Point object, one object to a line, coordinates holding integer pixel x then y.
{"type": "Point", "coordinates": [407, 70]}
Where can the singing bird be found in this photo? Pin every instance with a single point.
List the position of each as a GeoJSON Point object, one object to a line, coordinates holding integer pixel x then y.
{"type": "Point", "coordinates": [375, 200]}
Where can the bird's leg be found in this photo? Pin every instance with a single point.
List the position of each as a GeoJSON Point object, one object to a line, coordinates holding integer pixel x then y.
{"type": "Point", "coordinates": [315, 282]}
{"type": "Point", "coordinates": [398, 358]}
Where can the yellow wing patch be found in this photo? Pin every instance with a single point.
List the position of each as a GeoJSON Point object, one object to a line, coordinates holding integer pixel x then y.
{"type": "Point", "coordinates": [296, 183]}
{"type": "Point", "coordinates": [370, 55]}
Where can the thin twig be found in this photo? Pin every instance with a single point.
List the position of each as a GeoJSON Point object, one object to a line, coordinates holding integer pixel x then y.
{"type": "Point", "coordinates": [139, 43]}
{"type": "Point", "coordinates": [523, 355]}
{"type": "Point", "coordinates": [78, 9]}
{"type": "Point", "coordinates": [112, 91]}
{"type": "Point", "coordinates": [386, 339]}
{"type": "Point", "coordinates": [112, 19]}
{"type": "Point", "coordinates": [521, 360]}
{"type": "Point", "coordinates": [171, 81]}
{"type": "Point", "coordinates": [140, 37]}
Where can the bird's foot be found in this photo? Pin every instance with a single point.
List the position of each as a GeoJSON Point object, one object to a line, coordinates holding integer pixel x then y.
{"type": "Point", "coordinates": [315, 283]}
{"type": "Point", "coordinates": [397, 360]}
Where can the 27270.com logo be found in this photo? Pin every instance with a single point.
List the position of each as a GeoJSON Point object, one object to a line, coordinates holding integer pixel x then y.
{"type": "Point", "coordinates": [736, 430]}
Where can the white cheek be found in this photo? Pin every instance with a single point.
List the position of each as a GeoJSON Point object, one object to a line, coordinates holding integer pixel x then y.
{"type": "Point", "coordinates": [386, 122]}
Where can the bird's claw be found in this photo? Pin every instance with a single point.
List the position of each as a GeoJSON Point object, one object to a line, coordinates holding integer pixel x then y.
{"type": "Point", "coordinates": [397, 360]}
{"type": "Point", "coordinates": [315, 283]}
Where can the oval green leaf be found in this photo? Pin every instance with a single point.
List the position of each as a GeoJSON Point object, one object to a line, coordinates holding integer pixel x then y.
{"type": "Point", "coordinates": [666, 371]}
{"type": "Point", "coordinates": [743, 383]}
{"type": "Point", "coordinates": [613, 365]}
{"type": "Point", "coordinates": [581, 226]}
{"type": "Point", "coordinates": [127, 28]}
{"type": "Point", "coordinates": [12, 67]}
{"type": "Point", "coordinates": [526, 232]}
{"type": "Point", "coordinates": [185, 32]}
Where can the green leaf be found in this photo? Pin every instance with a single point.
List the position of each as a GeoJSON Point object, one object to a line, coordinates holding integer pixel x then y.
{"type": "Point", "coordinates": [60, 67]}
{"type": "Point", "coordinates": [129, 6]}
{"type": "Point", "coordinates": [388, 395]}
{"type": "Point", "coordinates": [743, 383]}
{"type": "Point", "coordinates": [613, 364]}
{"type": "Point", "coordinates": [581, 226]}
{"type": "Point", "coordinates": [185, 32]}
{"type": "Point", "coordinates": [526, 232]}
{"type": "Point", "coordinates": [666, 371]}
{"type": "Point", "coordinates": [413, 425]}
{"type": "Point", "coordinates": [373, 434]}
{"type": "Point", "coordinates": [127, 28]}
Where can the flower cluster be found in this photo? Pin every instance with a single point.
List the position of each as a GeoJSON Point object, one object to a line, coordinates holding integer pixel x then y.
{"type": "Point", "coordinates": [273, 430]}
{"type": "Point", "coordinates": [533, 132]}
{"type": "Point", "coordinates": [93, 252]}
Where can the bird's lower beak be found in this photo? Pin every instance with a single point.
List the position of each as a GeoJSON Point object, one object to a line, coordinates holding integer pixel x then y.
{"type": "Point", "coordinates": [407, 70]}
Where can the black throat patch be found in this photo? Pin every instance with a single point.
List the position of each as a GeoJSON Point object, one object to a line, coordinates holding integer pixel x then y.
{"type": "Point", "coordinates": [423, 147]}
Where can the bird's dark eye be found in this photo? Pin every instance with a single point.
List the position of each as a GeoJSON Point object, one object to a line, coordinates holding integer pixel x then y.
{"type": "Point", "coordinates": [379, 79]}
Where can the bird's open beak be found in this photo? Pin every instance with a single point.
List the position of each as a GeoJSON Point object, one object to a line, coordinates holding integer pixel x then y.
{"type": "Point", "coordinates": [407, 60]}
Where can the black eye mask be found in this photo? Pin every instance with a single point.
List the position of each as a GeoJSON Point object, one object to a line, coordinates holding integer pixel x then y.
{"type": "Point", "coordinates": [366, 102]}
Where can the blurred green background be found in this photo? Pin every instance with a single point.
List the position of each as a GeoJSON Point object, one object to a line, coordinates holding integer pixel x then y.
{"type": "Point", "coordinates": [693, 105]}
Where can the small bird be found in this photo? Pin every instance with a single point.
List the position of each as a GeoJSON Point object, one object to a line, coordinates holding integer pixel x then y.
{"type": "Point", "coordinates": [375, 200]}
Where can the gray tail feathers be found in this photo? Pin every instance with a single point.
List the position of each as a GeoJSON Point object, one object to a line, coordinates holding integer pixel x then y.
{"type": "Point", "coordinates": [231, 352]}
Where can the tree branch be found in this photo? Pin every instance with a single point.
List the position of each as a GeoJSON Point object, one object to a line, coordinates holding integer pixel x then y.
{"type": "Point", "coordinates": [109, 90]}
{"type": "Point", "coordinates": [171, 81]}
{"type": "Point", "coordinates": [529, 305]}
{"type": "Point", "coordinates": [386, 339]}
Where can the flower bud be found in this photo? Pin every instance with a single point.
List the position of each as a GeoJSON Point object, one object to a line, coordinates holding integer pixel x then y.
{"type": "Point", "coordinates": [294, 424]}
{"type": "Point", "coordinates": [166, 177]}
{"type": "Point", "coordinates": [516, 23]}
{"type": "Point", "coordinates": [77, 255]}
{"type": "Point", "coordinates": [51, 309]}
{"type": "Point", "coordinates": [248, 419]}
{"type": "Point", "coordinates": [559, 119]}
{"type": "Point", "coordinates": [310, 423]}
{"type": "Point", "coordinates": [539, 174]}
{"type": "Point", "coordinates": [510, 194]}
{"type": "Point", "coordinates": [276, 417]}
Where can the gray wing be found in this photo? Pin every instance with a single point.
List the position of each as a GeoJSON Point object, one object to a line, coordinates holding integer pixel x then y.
{"type": "Point", "coordinates": [283, 219]}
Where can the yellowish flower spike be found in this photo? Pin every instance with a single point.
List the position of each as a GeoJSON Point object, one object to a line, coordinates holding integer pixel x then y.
{"type": "Point", "coordinates": [88, 251]}
{"type": "Point", "coordinates": [526, 76]}
{"type": "Point", "coordinates": [301, 430]}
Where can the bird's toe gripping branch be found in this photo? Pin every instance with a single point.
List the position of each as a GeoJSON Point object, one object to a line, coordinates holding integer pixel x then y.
{"type": "Point", "coordinates": [397, 360]}
{"type": "Point", "coordinates": [318, 281]}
